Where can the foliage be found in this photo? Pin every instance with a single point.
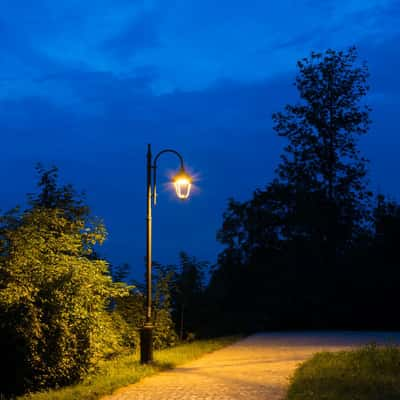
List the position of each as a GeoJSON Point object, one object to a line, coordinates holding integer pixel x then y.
{"type": "Point", "coordinates": [164, 334]}
{"type": "Point", "coordinates": [188, 296]}
{"type": "Point", "coordinates": [322, 158]}
{"type": "Point", "coordinates": [387, 221]}
{"type": "Point", "coordinates": [366, 374]}
{"type": "Point", "coordinates": [302, 253]}
{"type": "Point", "coordinates": [178, 303]}
{"type": "Point", "coordinates": [126, 369]}
{"type": "Point", "coordinates": [129, 312]}
{"type": "Point", "coordinates": [54, 294]}
{"type": "Point", "coordinates": [320, 192]}
{"type": "Point", "coordinates": [52, 195]}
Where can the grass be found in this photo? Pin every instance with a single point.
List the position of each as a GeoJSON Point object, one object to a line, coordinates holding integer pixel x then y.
{"type": "Point", "coordinates": [125, 370]}
{"type": "Point", "coordinates": [369, 373]}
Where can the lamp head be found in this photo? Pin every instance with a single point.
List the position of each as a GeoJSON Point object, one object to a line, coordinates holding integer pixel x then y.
{"type": "Point", "coordinates": [183, 183]}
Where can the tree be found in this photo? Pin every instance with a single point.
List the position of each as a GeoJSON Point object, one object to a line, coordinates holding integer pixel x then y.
{"type": "Point", "coordinates": [188, 295]}
{"type": "Point", "coordinates": [322, 158]}
{"type": "Point", "coordinates": [285, 248]}
{"type": "Point", "coordinates": [325, 172]}
{"type": "Point", "coordinates": [255, 263]}
{"type": "Point", "coordinates": [129, 312]}
{"type": "Point", "coordinates": [164, 329]}
{"type": "Point", "coordinates": [52, 195]}
{"type": "Point", "coordinates": [53, 295]}
{"type": "Point", "coordinates": [387, 222]}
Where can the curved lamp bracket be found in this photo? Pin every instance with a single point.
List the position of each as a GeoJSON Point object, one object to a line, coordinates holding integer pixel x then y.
{"type": "Point", "coordinates": [154, 167]}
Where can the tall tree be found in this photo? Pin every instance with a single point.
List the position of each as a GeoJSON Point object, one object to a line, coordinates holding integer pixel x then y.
{"type": "Point", "coordinates": [322, 157]}
{"type": "Point", "coordinates": [285, 247]}
{"type": "Point", "coordinates": [187, 294]}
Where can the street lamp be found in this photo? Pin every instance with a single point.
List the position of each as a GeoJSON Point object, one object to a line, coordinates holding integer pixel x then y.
{"type": "Point", "coordinates": [183, 183]}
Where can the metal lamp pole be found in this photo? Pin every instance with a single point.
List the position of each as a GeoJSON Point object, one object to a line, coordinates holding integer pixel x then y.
{"type": "Point", "coordinates": [146, 336]}
{"type": "Point", "coordinates": [182, 186]}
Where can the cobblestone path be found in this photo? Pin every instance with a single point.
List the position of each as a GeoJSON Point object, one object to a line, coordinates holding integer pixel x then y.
{"type": "Point", "coordinates": [255, 368]}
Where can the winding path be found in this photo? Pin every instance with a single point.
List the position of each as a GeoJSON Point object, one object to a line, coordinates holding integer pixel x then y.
{"type": "Point", "coordinates": [255, 368]}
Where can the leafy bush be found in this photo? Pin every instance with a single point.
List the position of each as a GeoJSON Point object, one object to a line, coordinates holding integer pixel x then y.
{"type": "Point", "coordinates": [54, 293]}
{"type": "Point", "coordinates": [129, 312]}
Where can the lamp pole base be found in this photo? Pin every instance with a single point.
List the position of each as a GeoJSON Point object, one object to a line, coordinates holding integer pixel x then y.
{"type": "Point", "coordinates": [146, 344]}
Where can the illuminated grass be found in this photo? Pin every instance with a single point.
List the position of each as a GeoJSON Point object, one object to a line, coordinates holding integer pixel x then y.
{"type": "Point", "coordinates": [125, 370]}
{"type": "Point", "coordinates": [369, 373]}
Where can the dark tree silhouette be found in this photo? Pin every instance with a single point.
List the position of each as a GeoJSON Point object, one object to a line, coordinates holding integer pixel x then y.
{"type": "Point", "coordinates": [52, 195]}
{"type": "Point", "coordinates": [188, 295]}
{"type": "Point", "coordinates": [322, 161]}
{"type": "Point", "coordinates": [288, 249]}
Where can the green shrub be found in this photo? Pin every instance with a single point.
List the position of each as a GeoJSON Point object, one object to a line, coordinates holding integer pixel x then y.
{"type": "Point", "coordinates": [54, 291]}
{"type": "Point", "coordinates": [129, 313]}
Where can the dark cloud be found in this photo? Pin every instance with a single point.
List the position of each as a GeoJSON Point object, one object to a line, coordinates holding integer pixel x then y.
{"type": "Point", "coordinates": [139, 34]}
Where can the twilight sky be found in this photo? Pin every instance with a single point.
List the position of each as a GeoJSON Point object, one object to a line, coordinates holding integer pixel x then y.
{"type": "Point", "coordinates": [85, 85]}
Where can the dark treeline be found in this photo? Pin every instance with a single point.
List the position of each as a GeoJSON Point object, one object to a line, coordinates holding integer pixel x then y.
{"type": "Point", "coordinates": [315, 248]}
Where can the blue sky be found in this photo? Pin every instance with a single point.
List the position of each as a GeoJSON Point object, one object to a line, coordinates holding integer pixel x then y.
{"type": "Point", "coordinates": [85, 85]}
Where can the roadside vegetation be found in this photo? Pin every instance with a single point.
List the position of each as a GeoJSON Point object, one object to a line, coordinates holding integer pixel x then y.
{"type": "Point", "coordinates": [124, 370]}
{"type": "Point", "coordinates": [65, 311]}
{"type": "Point", "coordinates": [368, 373]}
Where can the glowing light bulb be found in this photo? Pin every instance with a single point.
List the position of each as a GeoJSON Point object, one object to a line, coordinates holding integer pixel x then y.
{"type": "Point", "coordinates": [183, 184]}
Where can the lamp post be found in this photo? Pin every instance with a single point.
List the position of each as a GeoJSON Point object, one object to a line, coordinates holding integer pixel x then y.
{"type": "Point", "coordinates": [182, 183]}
